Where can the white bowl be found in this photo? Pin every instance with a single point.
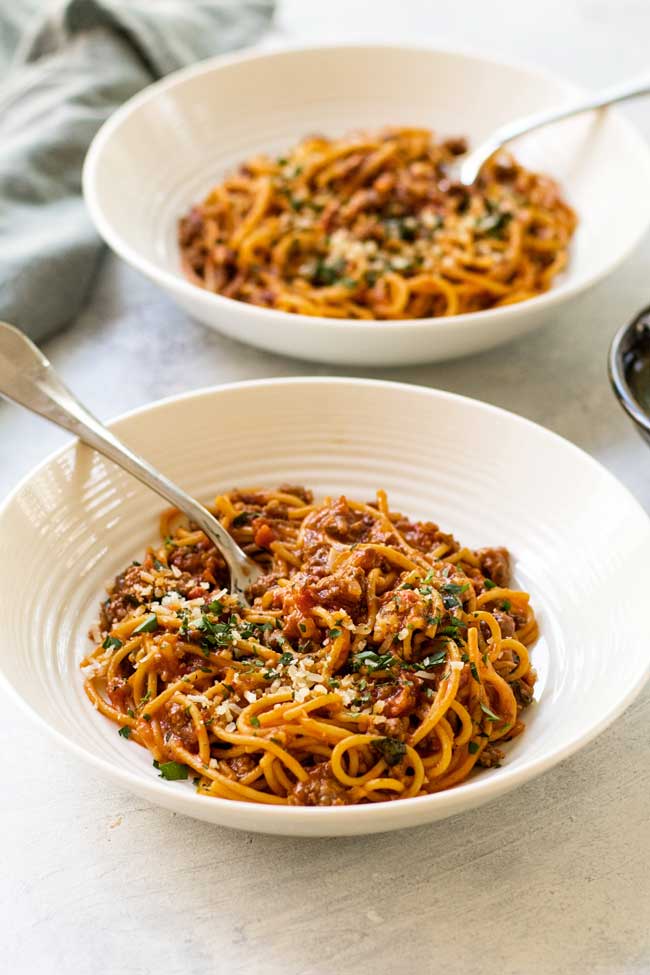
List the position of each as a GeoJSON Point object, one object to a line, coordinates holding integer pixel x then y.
{"type": "Point", "coordinates": [580, 542]}
{"type": "Point", "coordinates": [166, 147]}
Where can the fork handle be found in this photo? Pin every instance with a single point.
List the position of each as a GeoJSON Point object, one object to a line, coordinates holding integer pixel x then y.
{"type": "Point", "coordinates": [28, 378]}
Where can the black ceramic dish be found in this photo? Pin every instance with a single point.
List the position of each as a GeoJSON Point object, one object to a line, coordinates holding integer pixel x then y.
{"type": "Point", "coordinates": [629, 370]}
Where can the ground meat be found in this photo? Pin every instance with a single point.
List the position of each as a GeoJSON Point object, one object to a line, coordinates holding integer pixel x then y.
{"type": "Point", "coordinates": [191, 227]}
{"type": "Point", "coordinates": [123, 597]}
{"type": "Point", "coordinates": [342, 590]}
{"type": "Point", "coordinates": [174, 720]}
{"type": "Point", "coordinates": [242, 765]}
{"type": "Point", "coordinates": [263, 584]}
{"type": "Point", "coordinates": [505, 621]}
{"type": "Point", "coordinates": [405, 607]}
{"type": "Point", "coordinates": [320, 788]}
{"type": "Point", "coordinates": [184, 585]}
{"type": "Point", "coordinates": [424, 535]}
{"type": "Point", "coordinates": [523, 692]}
{"type": "Point", "coordinates": [195, 560]}
{"type": "Point", "coordinates": [341, 523]}
{"type": "Point", "coordinates": [400, 697]}
{"type": "Point", "coordinates": [456, 145]}
{"type": "Point", "coordinates": [394, 728]}
{"type": "Point", "coordinates": [495, 563]}
{"type": "Point", "coordinates": [490, 756]}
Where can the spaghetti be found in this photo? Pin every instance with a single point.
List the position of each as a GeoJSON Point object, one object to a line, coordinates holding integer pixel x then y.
{"type": "Point", "coordinates": [377, 660]}
{"type": "Point", "coordinates": [372, 226]}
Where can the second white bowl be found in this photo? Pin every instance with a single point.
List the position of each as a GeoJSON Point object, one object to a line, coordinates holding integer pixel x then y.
{"type": "Point", "coordinates": [166, 147]}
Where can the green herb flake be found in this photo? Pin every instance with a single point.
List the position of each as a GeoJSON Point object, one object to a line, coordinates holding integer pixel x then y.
{"type": "Point", "coordinates": [489, 584]}
{"type": "Point", "coordinates": [494, 224]}
{"type": "Point", "coordinates": [335, 633]}
{"type": "Point", "coordinates": [473, 747]}
{"type": "Point", "coordinates": [433, 660]}
{"type": "Point", "coordinates": [243, 518]}
{"type": "Point", "coordinates": [172, 771]}
{"type": "Point", "coordinates": [125, 732]}
{"type": "Point", "coordinates": [450, 593]}
{"type": "Point", "coordinates": [255, 721]}
{"type": "Point", "coordinates": [474, 671]}
{"type": "Point", "coordinates": [373, 661]}
{"type": "Point", "coordinates": [392, 750]}
{"type": "Point", "coordinates": [490, 714]}
{"type": "Point", "coordinates": [148, 625]}
{"type": "Point", "coordinates": [111, 643]}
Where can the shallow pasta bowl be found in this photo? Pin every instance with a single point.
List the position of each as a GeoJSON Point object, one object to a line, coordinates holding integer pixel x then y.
{"type": "Point", "coordinates": [170, 144]}
{"type": "Point", "coordinates": [477, 470]}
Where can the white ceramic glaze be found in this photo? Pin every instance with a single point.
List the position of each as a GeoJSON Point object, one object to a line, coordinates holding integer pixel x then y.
{"type": "Point", "coordinates": [580, 543]}
{"type": "Point", "coordinates": [166, 147]}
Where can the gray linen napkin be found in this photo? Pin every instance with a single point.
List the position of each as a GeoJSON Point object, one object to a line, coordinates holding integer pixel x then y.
{"type": "Point", "coordinates": [65, 68]}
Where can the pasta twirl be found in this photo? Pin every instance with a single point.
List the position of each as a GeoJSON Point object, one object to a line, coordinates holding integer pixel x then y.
{"type": "Point", "coordinates": [378, 659]}
{"type": "Point", "coordinates": [373, 226]}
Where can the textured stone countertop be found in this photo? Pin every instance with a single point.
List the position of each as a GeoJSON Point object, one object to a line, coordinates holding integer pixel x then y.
{"type": "Point", "coordinates": [555, 877]}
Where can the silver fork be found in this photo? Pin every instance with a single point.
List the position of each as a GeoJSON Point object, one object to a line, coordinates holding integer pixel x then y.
{"type": "Point", "coordinates": [27, 378]}
{"type": "Point", "coordinates": [468, 168]}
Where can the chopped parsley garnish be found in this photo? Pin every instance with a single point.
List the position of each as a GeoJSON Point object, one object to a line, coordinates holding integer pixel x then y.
{"type": "Point", "coordinates": [111, 643]}
{"type": "Point", "coordinates": [371, 277]}
{"type": "Point", "coordinates": [489, 584]}
{"type": "Point", "coordinates": [158, 565]}
{"type": "Point", "coordinates": [473, 747]}
{"type": "Point", "coordinates": [255, 721]}
{"type": "Point", "coordinates": [506, 605]}
{"type": "Point", "coordinates": [243, 518]}
{"type": "Point", "coordinates": [452, 627]}
{"type": "Point", "coordinates": [148, 625]}
{"type": "Point", "coordinates": [392, 750]}
{"type": "Point", "coordinates": [326, 274]}
{"type": "Point", "coordinates": [474, 671]}
{"type": "Point", "coordinates": [247, 630]}
{"type": "Point", "coordinates": [433, 660]}
{"type": "Point", "coordinates": [490, 714]}
{"type": "Point", "coordinates": [125, 731]}
{"type": "Point", "coordinates": [450, 593]}
{"type": "Point", "coordinates": [215, 634]}
{"type": "Point", "coordinates": [335, 633]}
{"type": "Point", "coordinates": [286, 658]}
{"type": "Point", "coordinates": [172, 771]}
{"type": "Point", "coordinates": [493, 224]}
{"type": "Point", "coordinates": [216, 607]}
{"type": "Point", "coordinates": [372, 661]}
